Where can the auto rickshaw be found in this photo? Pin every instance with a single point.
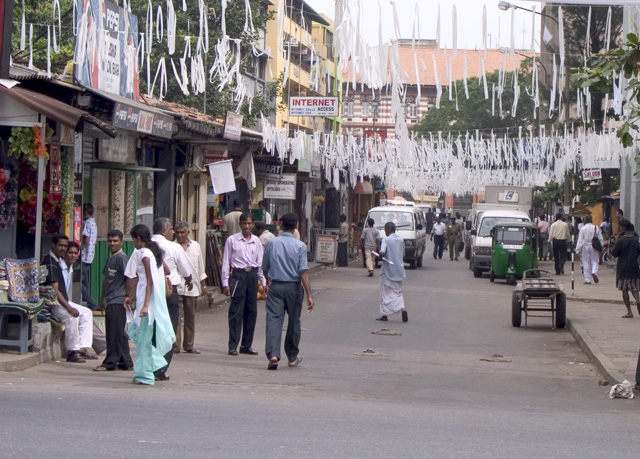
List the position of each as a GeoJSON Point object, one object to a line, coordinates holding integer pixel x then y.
{"type": "Point", "coordinates": [514, 250]}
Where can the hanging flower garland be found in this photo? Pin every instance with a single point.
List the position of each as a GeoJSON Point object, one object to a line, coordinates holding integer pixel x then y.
{"type": "Point", "coordinates": [8, 197]}
{"type": "Point", "coordinates": [26, 143]}
{"type": "Point", "coordinates": [68, 201]}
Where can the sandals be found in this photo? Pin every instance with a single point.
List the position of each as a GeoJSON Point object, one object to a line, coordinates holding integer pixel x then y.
{"type": "Point", "coordinates": [273, 363]}
{"type": "Point", "coordinates": [101, 368]}
{"type": "Point", "coordinates": [383, 318]}
{"type": "Point", "coordinates": [192, 351]}
{"type": "Point", "coordinates": [296, 362]}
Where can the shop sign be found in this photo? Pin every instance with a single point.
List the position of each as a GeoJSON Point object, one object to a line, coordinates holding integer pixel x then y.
{"type": "Point", "coordinates": [281, 188]}
{"type": "Point", "coordinates": [214, 153]}
{"type": "Point", "coordinates": [313, 106]}
{"type": "Point", "coordinates": [233, 126]}
{"type": "Point", "coordinates": [267, 167]}
{"type": "Point", "coordinates": [55, 172]}
{"type": "Point", "coordinates": [326, 248]}
{"type": "Point", "coordinates": [121, 150]}
{"type": "Point", "coordinates": [592, 174]}
{"type": "Point", "coordinates": [135, 119]}
{"type": "Point", "coordinates": [77, 225]}
{"type": "Point", "coordinates": [106, 45]}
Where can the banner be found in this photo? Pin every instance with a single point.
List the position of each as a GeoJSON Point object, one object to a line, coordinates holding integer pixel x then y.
{"type": "Point", "coordinates": [222, 177]}
{"type": "Point", "coordinates": [313, 106]}
{"type": "Point", "coordinates": [105, 48]}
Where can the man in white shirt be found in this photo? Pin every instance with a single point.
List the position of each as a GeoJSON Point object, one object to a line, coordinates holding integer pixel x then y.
{"type": "Point", "coordinates": [439, 230]}
{"type": "Point", "coordinates": [89, 236]}
{"type": "Point", "coordinates": [590, 256]}
{"type": "Point", "coordinates": [189, 298]}
{"type": "Point", "coordinates": [179, 267]}
{"type": "Point", "coordinates": [263, 233]}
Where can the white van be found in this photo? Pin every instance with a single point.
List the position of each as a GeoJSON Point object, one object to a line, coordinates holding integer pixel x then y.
{"type": "Point", "coordinates": [480, 236]}
{"type": "Point", "coordinates": [410, 226]}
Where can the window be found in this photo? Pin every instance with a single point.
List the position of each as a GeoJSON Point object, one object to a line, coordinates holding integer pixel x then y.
{"type": "Point", "coordinates": [365, 108]}
{"type": "Point", "coordinates": [413, 110]}
{"type": "Point", "coordinates": [348, 108]}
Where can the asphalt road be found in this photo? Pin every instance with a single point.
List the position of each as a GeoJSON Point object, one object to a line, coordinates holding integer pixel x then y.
{"type": "Point", "coordinates": [425, 394]}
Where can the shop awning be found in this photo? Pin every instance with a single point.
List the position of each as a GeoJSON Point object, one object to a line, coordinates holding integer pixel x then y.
{"type": "Point", "coordinates": [363, 188]}
{"type": "Point", "coordinates": [54, 109]}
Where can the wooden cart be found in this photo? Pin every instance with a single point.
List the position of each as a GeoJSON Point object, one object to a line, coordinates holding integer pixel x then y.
{"type": "Point", "coordinates": [538, 295]}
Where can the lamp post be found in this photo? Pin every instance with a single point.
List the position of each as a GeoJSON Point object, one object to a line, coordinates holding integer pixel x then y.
{"type": "Point", "coordinates": [505, 6]}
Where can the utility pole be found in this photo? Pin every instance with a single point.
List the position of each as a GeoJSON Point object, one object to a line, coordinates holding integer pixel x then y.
{"type": "Point", "coordinates": [6, 27]}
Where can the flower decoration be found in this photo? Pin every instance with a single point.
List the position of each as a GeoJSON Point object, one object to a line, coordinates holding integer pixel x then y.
{"type": "Point", "coordinates": [8, 197]}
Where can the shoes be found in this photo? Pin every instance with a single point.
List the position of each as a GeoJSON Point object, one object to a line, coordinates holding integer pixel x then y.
{"type": "Point", "coordinates": [405, 316]}
{"type": "Point", "coordinates": [248, 350]}
{"type": "Point", "coordinates": [595, 278]}
{"type": "Point", "coordinates": [383, 318]}
{"type": "Point", "coordinates": [273, 363]}
{"type": "Point", "coordinates": [176, 350]}
{"type": "Point", "coordinates": [87, 356]}
{"type": "Point", "coordinates": [296, 362]}
{"type": "Point", "coordinates": [588, 283]}
{"type": "Point", "coordinates": [162, 378]}
{"type": "Point", "coordinates": [457, 259]}
{"type": "Point", "coordinates": [370, 274]}
{"type": "Point", "coordinates": [233, 352]}
{"type": "Point", "coordinates": [74, 357]}
{"type": "Point", "coordinates": [191, 351]}
{"type": "Point", "coordinates": [103, 368]}
{"type": "Point", "coordinates": [124, 368]}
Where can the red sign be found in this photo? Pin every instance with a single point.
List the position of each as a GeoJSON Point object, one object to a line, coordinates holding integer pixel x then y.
{"type": "Point", "coordinates": [77, 225]}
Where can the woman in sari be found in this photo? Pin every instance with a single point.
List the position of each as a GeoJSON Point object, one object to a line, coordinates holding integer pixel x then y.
{"type": "Point", "coordinates": [150, 329]}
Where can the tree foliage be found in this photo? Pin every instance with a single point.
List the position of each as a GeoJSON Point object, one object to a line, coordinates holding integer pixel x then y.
{"type": "Point", "coordinates": [216, 102]}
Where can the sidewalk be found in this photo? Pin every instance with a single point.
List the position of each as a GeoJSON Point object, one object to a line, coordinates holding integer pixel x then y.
{"type": "Point", "coordinates": [11, 360]}
{"type": "Point", "coordinates": [593, 317]}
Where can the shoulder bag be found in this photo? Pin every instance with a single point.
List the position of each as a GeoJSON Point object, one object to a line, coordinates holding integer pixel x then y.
{"type": "Point", "coordinates": [595, 241]}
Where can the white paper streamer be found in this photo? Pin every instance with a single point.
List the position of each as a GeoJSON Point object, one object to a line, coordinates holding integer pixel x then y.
{"type": "Point", "coordinates": [56, 6]}
{"type": "Point", "coordinates": [23, 30]}
{"type": "Point", "coordinates": [30, 46]}
{"type": "Point", "coordinates": [454, 31]}
{"type": "Point", "coordinates": [159, 25]}
{"type": "Point", "coordinates": [172, 21]}
{"type": "Point", "coordinates": [49, 51]}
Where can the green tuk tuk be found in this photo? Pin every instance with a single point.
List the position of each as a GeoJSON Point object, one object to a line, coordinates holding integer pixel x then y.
{"type": "Point", "coordinates": [514, 250]}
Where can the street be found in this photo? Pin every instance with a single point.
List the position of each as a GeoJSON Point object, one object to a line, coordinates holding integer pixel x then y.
{"type": "Point", "coordinates": [426, 392]}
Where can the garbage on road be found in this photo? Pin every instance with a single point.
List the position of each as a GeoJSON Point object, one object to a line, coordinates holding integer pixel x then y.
{"type": "Point", "coordinates": [622, 390]}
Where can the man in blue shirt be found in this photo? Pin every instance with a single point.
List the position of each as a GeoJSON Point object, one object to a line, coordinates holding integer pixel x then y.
{"type": "Point", "coordinates": [285, 266]}
{"type": "Point", "coordinates": [392, 274]}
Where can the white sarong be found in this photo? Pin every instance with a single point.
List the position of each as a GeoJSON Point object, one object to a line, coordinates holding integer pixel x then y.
{"type": "Point", "coordinates": [391, 300]}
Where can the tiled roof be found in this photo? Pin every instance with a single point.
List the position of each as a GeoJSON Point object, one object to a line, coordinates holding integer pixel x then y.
{"type": "Point", "coordinates": [425, 54]}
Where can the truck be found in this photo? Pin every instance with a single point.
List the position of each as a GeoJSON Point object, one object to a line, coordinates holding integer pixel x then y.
{"type": "Point", "coordinates": [500, 203]}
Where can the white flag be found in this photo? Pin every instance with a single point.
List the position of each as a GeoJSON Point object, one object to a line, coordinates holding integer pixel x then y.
{"type": "Point", "coordinates": [246, 170]}
{"type": "Point", "coordinates": [222, 177]}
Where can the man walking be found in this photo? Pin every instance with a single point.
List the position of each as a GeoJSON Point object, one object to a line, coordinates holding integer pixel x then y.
{"type": "Point", "coordinates": [179, 268]}
{"type": "Point", "coordinates": [543, 237]}
{"type": "Point", "coordinates": [89, 236]}
{"type": "Point", "coordinates": [438, 231]}
{"type": "Point", "coordinates": [392, 274]}
{"type": "Point", "coordinates": [454, 230]}
{"type": "Point", "coordinates": [189, 298]}
{"type": "Point", "coordinates": [241, 271]}
{"type": "Point", "coordinates": [590, 256]}
{"type": "Point", "coordinates": [559, 235]}
{"type": "Point", "coordinates": [112, 303]}
{"type": "Point", "coordinates": [78, 320]}
{"type": "Point", "coordinates": [370, 242]}
{"type": "Point", "coordinates": [285, 264]}
{"type": "Point", "coordinates": [263, 233]}
{"type": "Point", "coordinates": [627, 270]}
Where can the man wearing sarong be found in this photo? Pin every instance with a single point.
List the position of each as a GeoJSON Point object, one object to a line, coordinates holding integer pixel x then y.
{"type": "Point", "coordinates": [391, 274]}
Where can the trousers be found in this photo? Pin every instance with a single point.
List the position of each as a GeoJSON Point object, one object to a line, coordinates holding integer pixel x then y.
{"type": "Point", "coordinates": [590, 262]}
{"type": "Point", "coordinates": [78, 331]}
{"type": "Point", "coordinates": [243, 310]}
{"type": "Point", "coordinates": [284, 297]}
{"type": "Point", "coordinates": [369, 257]}
{"type": "Point", "coordinates": [559, 254]}
{"type": "Point", "coordinates": [86, 295]}
{"type": "Point", "coordinates": [543, 248]}
{"type": "Point", "coordinates": [187, 320]}
{"type": "Point", "coordinates": [343, 254]}
{"type": "Point", "coordinates": [173, 306]}
{"type": "Point", "coordinates": [438, 245]}
{"type": "Point", "coordinates": [118, 355]}
{"type": "Point", "coordinates": [454, 248]}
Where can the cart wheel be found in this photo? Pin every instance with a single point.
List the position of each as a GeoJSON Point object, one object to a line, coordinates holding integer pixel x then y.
{"type": "Point", "coordinates": [477, 272]}
{"type": "Point", "coordinates": [561, 310]}
{"type": "Point", "coordinates": [511, 279]}
{"type": "Point", "coordinates": [492, 277]}
{"type": "Point", "coordinates": [516, 309]}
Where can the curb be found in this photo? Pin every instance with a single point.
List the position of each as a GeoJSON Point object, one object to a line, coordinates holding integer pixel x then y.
{"type": "Point", "coordinates": [594, 300]}
{"type": "Point", "coordinates": [597, 357]}
{"type": "Point", "coordinates": [21, 364]}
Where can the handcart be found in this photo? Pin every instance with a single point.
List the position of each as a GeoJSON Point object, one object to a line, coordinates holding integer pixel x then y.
{"type": "Point", "coordinates": [538, 295]}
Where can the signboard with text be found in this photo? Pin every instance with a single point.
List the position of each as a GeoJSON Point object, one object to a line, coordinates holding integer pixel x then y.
{"type": "Point", "coordinates": [281, 188]}
{"type": "Point", "coordinates": [105, 48]}
{"type": "Point", "coordinates": [267, 167]}
{"type": "Point", "coordinates": [592, 174]}
{"type": "Point", "coordinates": [135, 119]}
{"type": "Point", "coordinates": [326, 248]}
{"type": "Point", "coordinates": [233, 126]}
{"type": "Point", "coordinates": [313, 106]}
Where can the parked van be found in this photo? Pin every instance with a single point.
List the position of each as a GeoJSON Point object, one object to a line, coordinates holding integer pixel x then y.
{"type": "Point", "coordinates": [410, 226]}
{"type": "Point", "coordinates": [480, 236]}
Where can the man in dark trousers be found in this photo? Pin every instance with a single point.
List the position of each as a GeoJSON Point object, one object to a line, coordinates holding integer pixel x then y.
{"type": "Point", "coordinates": [241, 271]}
{"type": "Point", "coordinates": [285, 264]}
{"type": "Point", "coordinates": [559, 235]}
{"type": "Point", "coordinates": [112, 303]}
{"type": "Point", "coordinates": [439, 232]}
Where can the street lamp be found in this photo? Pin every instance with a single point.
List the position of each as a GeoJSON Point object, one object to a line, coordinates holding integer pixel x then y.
{"type": "Point", "coordinates": [505, 6]}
